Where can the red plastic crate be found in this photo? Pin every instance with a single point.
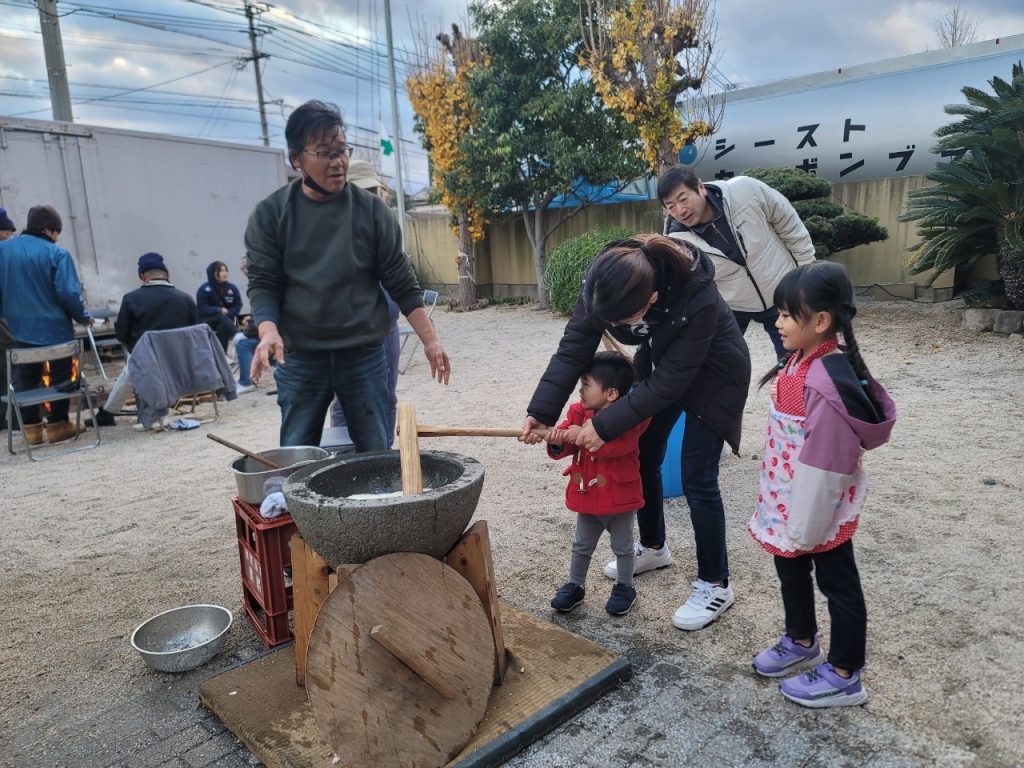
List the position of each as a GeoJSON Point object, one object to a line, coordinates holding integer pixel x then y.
{"type": "Point", "coordinates": [263, 554]}
{"type": "Point", "coordinates": [271, 628]}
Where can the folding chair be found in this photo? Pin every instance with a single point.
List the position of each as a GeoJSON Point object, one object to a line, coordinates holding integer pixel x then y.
{"type": "Point", "coordinates": [105, 343]}
{"type": "Point", "coordinates": [406, 332]}
{"type": "Point", "coordinates": [15, 401]}
{"type": "Point", "coordinates": [171, 366]}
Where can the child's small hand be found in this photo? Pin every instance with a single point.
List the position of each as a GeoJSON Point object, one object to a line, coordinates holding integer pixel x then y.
{"type": "Point", "coordinates": [571, 433]}
{"type": "Point", "coordinates": [556, 437]}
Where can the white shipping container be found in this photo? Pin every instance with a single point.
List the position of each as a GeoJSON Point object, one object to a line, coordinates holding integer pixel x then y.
{"type": "Point", "coordinates": [124, 193]}
{"type": "Point", "coordinates": [864, 122]}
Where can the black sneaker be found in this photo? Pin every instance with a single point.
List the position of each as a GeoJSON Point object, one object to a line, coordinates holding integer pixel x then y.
{"type": "Point", "coordinates": [568, 597]}
{"type": "Point", "coordinates": [621, 601]}
{"type": "Point", "coordinates": [103, 419]}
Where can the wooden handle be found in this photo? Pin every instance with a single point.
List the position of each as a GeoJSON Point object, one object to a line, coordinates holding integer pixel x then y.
{"type": "Point", "coordinates": [245, 451]}
{"type": "Point", "coordinates": [425, 430]}
{"type": "Point", "coordinates": [415, 661]}
{"type": "Point", "coordinates": [409, 450]}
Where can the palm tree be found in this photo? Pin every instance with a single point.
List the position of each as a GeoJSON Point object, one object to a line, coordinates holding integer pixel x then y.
{"type": "Point", "coordinates": [978, 205]}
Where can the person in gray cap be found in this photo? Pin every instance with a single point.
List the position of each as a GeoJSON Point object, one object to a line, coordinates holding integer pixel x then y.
{"type": "Point", "coordinates": [156, 306]}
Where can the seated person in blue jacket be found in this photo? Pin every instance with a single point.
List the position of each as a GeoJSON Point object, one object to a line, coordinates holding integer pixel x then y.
{"type": "Point", "coordinates": [40, 296]}
{"type": "Point", "coordinates": [156, 306]}
{"type": "Point", "coordinates": [219, 302]}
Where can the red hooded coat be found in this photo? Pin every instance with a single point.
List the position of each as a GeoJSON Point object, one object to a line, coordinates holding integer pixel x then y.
{"type": "Point", "coordinates": [607, 481]}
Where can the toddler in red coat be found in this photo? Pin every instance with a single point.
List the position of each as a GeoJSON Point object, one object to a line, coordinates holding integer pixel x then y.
{"type": "Point", "coordinates": [604, 487]}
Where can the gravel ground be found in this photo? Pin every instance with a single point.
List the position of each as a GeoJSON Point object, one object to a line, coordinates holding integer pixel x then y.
{"type": "Point", "coordinates": [97, 541]}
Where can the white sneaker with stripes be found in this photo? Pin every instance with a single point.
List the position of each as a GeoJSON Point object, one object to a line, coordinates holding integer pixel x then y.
{"type": "Point", "coordinates": [707, 602]}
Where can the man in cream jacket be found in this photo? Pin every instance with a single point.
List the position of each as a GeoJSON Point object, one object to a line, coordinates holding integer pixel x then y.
{"type": "Point", "coordinates": [751, 232]}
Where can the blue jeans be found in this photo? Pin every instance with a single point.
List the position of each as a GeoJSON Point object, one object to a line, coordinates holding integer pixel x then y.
{"type": "Point", "coordinates": [767, 319]}
{"type": "Point", "coordinates": [702, 451]}
{"type": "Point", "coordinates": [244, 350]}
{"type": "Point", "coordinates": [392, 348]}
{"type": "Point", "coordinates": [308, 381]}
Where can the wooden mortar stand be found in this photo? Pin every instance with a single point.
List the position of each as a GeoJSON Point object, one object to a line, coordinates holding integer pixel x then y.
{"type": "Point", "coordinates": [313, 580]}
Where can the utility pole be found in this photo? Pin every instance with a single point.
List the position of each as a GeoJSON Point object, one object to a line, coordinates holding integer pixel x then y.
{"type": "Point", "coordinates": [250, 14]}
{"type": "Point", "coordinates": [53, 50]}
{"type": "Point", "coordinates": [395, 128]}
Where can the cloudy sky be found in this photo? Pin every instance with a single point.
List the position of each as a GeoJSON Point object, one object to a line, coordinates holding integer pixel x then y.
{"type": "Point", "coordinates": [177, 66]}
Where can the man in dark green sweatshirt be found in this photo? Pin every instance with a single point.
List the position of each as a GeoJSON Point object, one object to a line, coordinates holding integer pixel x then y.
{"type": "Point", "coordinates": [319, 250]}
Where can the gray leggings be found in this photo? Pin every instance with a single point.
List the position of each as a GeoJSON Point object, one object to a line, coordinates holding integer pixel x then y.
{"type": "Point", "coordinates": [588, 531]}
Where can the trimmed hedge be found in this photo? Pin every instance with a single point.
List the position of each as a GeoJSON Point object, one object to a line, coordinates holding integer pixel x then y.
{"type": "Point", "coordinates": [568, 263]}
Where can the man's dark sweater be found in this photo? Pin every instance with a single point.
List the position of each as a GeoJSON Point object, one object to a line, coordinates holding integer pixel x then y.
{"type": "Point", "coordinates": [156, 306]}
{"type": "Point", "coordinates": [316, 268]}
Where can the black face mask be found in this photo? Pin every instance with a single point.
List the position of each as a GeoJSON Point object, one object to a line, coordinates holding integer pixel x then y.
{"type": "Point", "coordinates": [640, 329]}
{"type": "Point", "coordinates": [314, 186]}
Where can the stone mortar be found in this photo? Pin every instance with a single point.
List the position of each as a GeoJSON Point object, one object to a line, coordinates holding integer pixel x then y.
{"type": "Point", "coordinates": [347, 531]}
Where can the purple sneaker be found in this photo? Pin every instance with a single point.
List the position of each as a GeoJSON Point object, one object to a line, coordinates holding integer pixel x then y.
{"type": "Point", "coordinates": [822, 687]}
{"type": "Point", "coordinates": [786, 656]}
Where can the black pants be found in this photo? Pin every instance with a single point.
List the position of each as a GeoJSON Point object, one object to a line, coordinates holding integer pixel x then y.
{"type": "Point", "coordinates": [766, 318]}
{"type": "Point", "coordinates": [30, 376]}
{"type": "Point", "coordinates": [701, 454]}
{"type": "Point", "coordinates": [839, 581]}
{"type": "Point", "coordinates": [224, 327]}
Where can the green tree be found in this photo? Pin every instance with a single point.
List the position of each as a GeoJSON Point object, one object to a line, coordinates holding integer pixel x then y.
{"type": "Point", "coordinates": [977, 206]}
{"type": "Point", "coordinates": [444, 115]}
{"type": "Point", "coordinates": [543, 136]}
{"type": "Point", "coordinates": [832, 227]}
{"type": "Point", "coordinates": [568, 264]}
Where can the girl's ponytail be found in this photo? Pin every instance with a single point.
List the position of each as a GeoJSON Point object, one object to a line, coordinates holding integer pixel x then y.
{"type": "Point", "coordinates": [852, 351]}
{"type": "Point", "coordinates": [770, 376]}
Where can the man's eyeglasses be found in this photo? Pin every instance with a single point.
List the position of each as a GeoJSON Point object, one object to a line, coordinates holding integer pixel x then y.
{"type": "Point", "coordinates": [332, 155]}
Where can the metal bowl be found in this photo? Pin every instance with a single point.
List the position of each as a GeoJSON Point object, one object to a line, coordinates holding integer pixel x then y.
{"type": "Point", "coordinates": [182, 638]}
{"type": "Point", "coordinates": [250, 475]}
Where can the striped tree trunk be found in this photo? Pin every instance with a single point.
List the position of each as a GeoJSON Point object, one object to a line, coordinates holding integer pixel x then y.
{"type": "Point", "coordinates": [467, 274]}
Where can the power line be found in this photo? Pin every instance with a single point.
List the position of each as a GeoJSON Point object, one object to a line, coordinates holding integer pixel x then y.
{"type": "Point", "coordinates": [135, 90]}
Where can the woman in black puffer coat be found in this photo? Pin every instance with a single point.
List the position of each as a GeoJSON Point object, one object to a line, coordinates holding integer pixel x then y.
{"type": "Point", "coordinates": [659, 293]}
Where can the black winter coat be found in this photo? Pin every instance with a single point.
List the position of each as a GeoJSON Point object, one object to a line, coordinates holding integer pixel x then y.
{"type": "Point", "coordinates": [156, 306]}
{"type": "Point", "coordinates": [694, 355]}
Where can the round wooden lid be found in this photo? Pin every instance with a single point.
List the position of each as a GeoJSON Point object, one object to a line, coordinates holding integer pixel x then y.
{"type": "Point", "coordinates": [400, 663]}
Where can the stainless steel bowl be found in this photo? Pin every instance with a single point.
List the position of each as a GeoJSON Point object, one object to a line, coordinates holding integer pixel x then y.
{"type": "Point", "coordinates": [182, 638]}
{"type": "Point", "coordinates": [250, 475]}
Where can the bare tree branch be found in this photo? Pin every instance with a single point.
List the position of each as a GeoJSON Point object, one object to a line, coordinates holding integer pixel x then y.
{"type": "Point", "coordinates": [955, 27]}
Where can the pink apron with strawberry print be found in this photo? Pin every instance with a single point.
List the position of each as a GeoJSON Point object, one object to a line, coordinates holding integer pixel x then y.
{"type": "Point", "coordinates": [768, 526]}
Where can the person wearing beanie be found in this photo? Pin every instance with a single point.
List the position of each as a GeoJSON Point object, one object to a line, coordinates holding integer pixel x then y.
{"type": "Point", "coordinates": [40, 296]}
{"type": "Point", "coordinates": [7, 228]}
{"type": "Point", "coordinates": [219, 302]}
{"type": "Point", "coordinates": [156, 306]}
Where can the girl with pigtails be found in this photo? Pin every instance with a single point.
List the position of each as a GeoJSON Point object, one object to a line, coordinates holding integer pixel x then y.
{"type": "Point", "coordinates": [826, 409]}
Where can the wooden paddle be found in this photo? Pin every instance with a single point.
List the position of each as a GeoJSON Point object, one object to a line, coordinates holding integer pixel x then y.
{"type": "Point", "coordinates": [245, 452]}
